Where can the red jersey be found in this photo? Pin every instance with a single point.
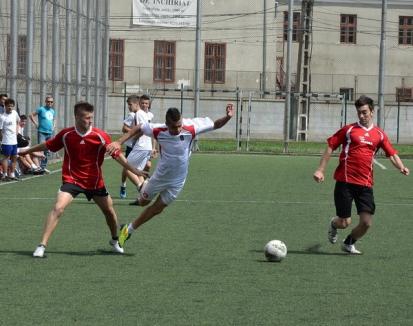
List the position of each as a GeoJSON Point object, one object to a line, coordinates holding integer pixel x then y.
{"type": "Point", "coordinates": [360, 144]}
{"type": "Point", "coordinates": [84, 154]}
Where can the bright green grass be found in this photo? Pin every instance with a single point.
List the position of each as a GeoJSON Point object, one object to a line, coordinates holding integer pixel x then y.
{"type": "Point", "coordinates": [201, 262]}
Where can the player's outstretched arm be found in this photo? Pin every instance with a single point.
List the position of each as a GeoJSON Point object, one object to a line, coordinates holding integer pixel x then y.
{"type": "Point", "coordinates": [121, 159]}
{"type": "Point", "coordinates": [219, 123]}
{"type": "Point", "coordinates": [397, 162]}
{"type": "Point", "coordinates": [318, 175]}
{"type": "Point", "coordinates": [36, 148]}
{"type": "Point", "coordinates": [116, 145]}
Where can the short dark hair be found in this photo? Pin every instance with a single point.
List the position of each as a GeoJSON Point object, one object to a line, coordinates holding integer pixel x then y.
{"type": "Point", "coordinates": [145, 97]}
{"type": "Point", "coordinates": [173, 115]}
{"type": "Point", "coordinates": [23, 117]}
{"type": "Point", "coordinates": [9, 101]}
{"type": "Point", "coordinates": [3, 95]}
{"type": "Point", "coordinates": [363, 100]}
{"type": "Point", "coordinates": [133, 99]}
{"type": "Point", "coordinates": [83, 106]}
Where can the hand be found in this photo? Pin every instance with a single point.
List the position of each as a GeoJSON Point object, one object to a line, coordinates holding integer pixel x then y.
{"type": "Point", "coordinates": [318, 176]}
{"type": "Point", "coordinates": [404, 171]}
{"type": "Point", "coordinates": [230, 110]}
{"type": "Point", "coordinates": [154, 153]}
{"type": "Point", "coordinates": [113, 147]}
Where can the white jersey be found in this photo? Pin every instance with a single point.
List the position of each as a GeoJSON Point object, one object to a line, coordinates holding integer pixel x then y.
{"type": "Point", "coordinates": [144, 143]}
{"type": "Point", "coordinates": [175, 150]}
{"type": "Point", "coordinates": [130, 122]}
{"type": "Point", "coordinates": [8, 125]}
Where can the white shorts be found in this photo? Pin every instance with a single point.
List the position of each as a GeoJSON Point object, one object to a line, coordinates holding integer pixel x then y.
{"type": "Point", "coordinates": [138, 159]}
{"type": "Point", "coordinates": [168, 191]}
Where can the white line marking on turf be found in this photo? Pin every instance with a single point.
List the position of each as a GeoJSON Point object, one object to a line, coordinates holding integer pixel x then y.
{"type": "Point", "coordinates": [379, 164]}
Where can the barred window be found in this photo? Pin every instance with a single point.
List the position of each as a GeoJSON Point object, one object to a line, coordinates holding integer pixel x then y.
{"type": "Point", "coordinates": [406, 30]}
{"type": "Point", "coordinates": [296, 25]}
{"type": "Point", "coordinates": [214, 63]}
{"type": "Point", "coordinates": [348, 29]}
{"type": "Point", "coordinates": [21, 54]}
{"type": "Point", "coordinates": [116, 59]}
{"type": "Point", "coordinates": [164, 61]}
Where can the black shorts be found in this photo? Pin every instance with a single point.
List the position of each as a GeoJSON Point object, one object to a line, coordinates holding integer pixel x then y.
{"type": "Point", "coordinates": [75, 190]}
{"type": "Point", "coordinates": [345, 193]}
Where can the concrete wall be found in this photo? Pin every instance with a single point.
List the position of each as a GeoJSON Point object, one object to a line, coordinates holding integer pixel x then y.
{"type": "Point", "coordinates": [267, 117]}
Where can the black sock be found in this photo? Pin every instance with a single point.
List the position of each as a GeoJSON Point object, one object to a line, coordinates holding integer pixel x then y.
{"type": "Point", "coordinates": [349, 240]}
{"type": "Point", "coordinates": [115, 238]}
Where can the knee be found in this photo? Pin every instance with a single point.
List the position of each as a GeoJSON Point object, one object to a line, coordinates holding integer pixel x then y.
{"type": "Point", "coordinates": [58, 211]}
{"type": "Point", "coordinates": [343, 223]}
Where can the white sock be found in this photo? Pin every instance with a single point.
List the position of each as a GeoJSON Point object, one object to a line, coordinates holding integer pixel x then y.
{"type": "Point", "coordinates": [34, 166]}
{"type": "Point", "coordinates": [124, 184]}
{"type": "Point", "coordinates": [12, 175]}
{"type": "Point", "coordinates": [130, 228]}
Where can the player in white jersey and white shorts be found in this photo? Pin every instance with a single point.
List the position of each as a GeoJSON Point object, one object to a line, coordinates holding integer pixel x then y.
{"type": "Point", "coordinates": [175, 139]}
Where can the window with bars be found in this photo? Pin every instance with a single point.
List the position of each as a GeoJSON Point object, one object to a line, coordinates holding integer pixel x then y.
{"type": "Point", "coordinates": [214, 63]}
{"type": "Point", "coordinates": [116, 59]}
{"type": "Point", "coordinates": [164, 61]}
{"type": "Point", "coordinates": [404, 94]}
{"type": "Point", "coordinates": [296, 25]}
{"type": "Point", "coordinates": [348, 93]}
{"type": "Point", "coordinates": [406, 30]}
{"type": "Point", "coordinates": [21, 54]}
{"type": "Point", "coordinates": [348, 29]}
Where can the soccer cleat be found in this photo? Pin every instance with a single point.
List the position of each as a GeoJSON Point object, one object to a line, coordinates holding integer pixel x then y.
{"type": "Point", "coordinates": [116, 247]}
{"type": "Point", "coordinates": [350, 249]}
{"type": "Point", "coordinates": [122, 192]}
{"type": "Point", "coordinates": [39, 252]}
{"type": "Point", "coordinates": [124, 234]}
{"type": "Point", "coordinates": [332, 232]}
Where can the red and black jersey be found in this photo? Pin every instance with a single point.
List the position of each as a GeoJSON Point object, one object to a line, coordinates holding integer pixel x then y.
{"type": "Point", "coordinates": [359, 145]}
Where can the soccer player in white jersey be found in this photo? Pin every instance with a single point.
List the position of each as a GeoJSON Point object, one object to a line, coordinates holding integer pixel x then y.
{"type": "Point", "coordinates": [354, 175]}
{"type": "Point", "coordinates": [144, 147]}
{"type": "Point", "coordinates": [175, 139]}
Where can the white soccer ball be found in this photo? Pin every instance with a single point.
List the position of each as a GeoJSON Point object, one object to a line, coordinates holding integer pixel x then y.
{"type": "Point", "coordinates": [275, 250]}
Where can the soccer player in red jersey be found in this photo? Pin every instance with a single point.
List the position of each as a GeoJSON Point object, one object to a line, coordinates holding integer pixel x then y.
{"type": "Point", "coordinates": [354, 175]}
{"type": "Point", "coordinates": [85, 148]}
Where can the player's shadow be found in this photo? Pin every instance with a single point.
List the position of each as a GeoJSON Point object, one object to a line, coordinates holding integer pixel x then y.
{"type": "Point", "coordinates": [311, 250]}
{"type": "Point", "coordinates": [98, 252]}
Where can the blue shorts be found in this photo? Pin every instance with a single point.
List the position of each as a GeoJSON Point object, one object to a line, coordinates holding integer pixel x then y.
{"type": "Point", "coordinates": [9, 150]}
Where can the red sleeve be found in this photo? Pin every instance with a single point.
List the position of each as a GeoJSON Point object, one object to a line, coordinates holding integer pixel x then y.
{"type": "Point", "coordinates": [56, 143]}
{"type": "Point", "coordinates": [338, 138]}
{"type": "Point", "coordinates": [107, 141]}
{"type": "Point", "coordinates": [387, 146]}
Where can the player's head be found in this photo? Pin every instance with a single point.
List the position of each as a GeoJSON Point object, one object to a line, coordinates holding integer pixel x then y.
{"type": "Point", "coordinates": [365, 108]}
{"type": "Point", "coordinates": [3, 98]}
{"type": "Point", "coordinates": [23, 120]}
{"type": "Point", "coordinates": [173, 121]}
{"type": "Point", "coordinates": [49, 101]}
{"type": "Point", "coordinates": [145, 102]}
{"type": "Point", "coordinates": [83, 115]}
{"type": "Point", "coordinates": [9, 104]}
{"type": "Point", "coordinates": [133, 103]}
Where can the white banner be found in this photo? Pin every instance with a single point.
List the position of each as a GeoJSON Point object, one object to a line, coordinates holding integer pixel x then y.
{"type": "Point", "coordinates": [169, 13]}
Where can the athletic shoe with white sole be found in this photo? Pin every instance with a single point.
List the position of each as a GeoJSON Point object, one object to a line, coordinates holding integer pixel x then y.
{"type": "Point", "coordinates": [124, 234]}
{"type": "Point", "coordinates": [332, 232]}
{"type": "Point", "coordinates": [350, 249]}
{"type": "Point", "coordinates": [116, 247]}
{"type": "Point", "coordinates": [39, 252]}
{"type": "Point", "coordinates": [122, 192]}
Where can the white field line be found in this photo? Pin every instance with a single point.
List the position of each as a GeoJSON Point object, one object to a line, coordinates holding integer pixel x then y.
{"type": "Point", "coordinates": [379, 164]}
{"type": "Point", "coordinates": [209, 201]}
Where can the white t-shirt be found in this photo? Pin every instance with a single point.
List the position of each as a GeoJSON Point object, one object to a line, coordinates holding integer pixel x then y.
{"type": "Point", "coordinates": [144, 143]}
{"type": "Point", "coordinates": [175, 150]}
{"type": "Point", "coordinates": [130, 122]}
{"type": "Point", "coordinates": [8, 125]}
